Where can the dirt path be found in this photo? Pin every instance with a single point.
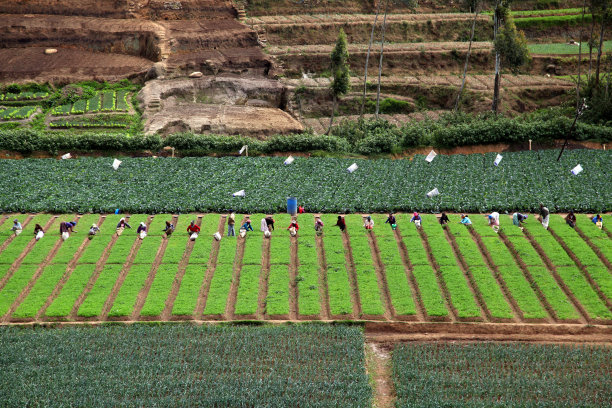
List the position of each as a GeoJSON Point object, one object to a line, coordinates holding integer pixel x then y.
{"type": "Point", "coordinates": [582, 269]}
{"type": "Point", "coordinates": [125, 269]}
{"type": "Point", "coordinates": [523, 267]}
{"type": "Point", "coordinates": [142, 295]}
{"type": "Point", "coordinates": [230, 306]}
{"type": "Point", "coordinates": [264, 275]}
{"type": "Point", "coordinates": [323, 286]}
{"type": "Point", "coordinates": [484, 312]}
{"type": "Point", "coordinates": [39, 270]}
{"type": "Point", "coordinates": [352, 275]}
{"type": "Point", "coordinates": [595, 249]}
{"type": "Point", "coordinates": [176, 284]}
{"type": "Point", "coordinates": [293, 273]}
{"type": "Point", "coordinates": [516, 310]}
{"type": "Point", "coordinates": [15, 265]}
{"type": "Point", "coordinates": [69, 269]}
{"type": "Point", "coordinates": [441, 284]}
{"type": "Point", "coordinates": [584, 316]}
{"type": "Point", "coordinates": [381, 276]}
{"type": "Point", "coordinates": [210, 271]}
{"type": "Point", "coordinates": [414, 287]}
{"type": "Point", "coordinates": [378, 366]}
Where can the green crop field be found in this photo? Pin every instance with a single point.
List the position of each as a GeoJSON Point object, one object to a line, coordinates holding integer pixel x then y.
{"type": "Point", "coordinates": [564, 48]}
{"type": "Point", "coordinates": [179, 366]}
{"type": "Point", "coordinates": [453, 273]}
{"type": "Point", "coordinates": [466, 183]}
{"type": "Point", "coordinates": [501, 375]}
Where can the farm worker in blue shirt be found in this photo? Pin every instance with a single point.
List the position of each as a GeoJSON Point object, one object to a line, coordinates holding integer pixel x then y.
{"type": "Point", "coordinates": [518, 219]}
{"type": "Point", "coordinates": [16, 226]}
{"type": "Point", "coordinates": [597, 220]}
{"type": "Point", "coordinates": [494, 221]}
{"type": "Point", "coordinates": [465, 219]}
{"type": "Point", "coordinates": [391, 220]}
{"type": "Point", "coordinates": [247, 225]}
{"type": "Point", "coordinates": [67, 227]}
{"type": "Point", "coordinates": [416, 218]}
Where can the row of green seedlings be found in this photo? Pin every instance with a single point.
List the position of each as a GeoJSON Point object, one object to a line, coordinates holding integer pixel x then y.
{"type": "Point", "coordinates": [20, 113]}
{"type": "Point", "coordinates": [110, 101]}
{"type": "Point", "coordinates": [86, 123]}
{"type": "Point", "coordinates": [23, 96]}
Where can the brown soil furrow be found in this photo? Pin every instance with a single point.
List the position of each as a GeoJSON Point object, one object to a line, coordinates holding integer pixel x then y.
{"type": "Point", "coordinates": [41, 267]}
{"type": "Point", "coordinates": [166, 313]}
{"type": "Point", "coordinates": [582, 269]}
{"type": "Point", "coordinates": [12, 237]}
{"type": "Point", "coordinates": [293, 273]}
{"type": "Point", "coordinates": [436, 268]}
{"type": "Point", "coordinates": [17, 263]}
{"type": "Point", "coordinates": [584, 316]}
{"type": "Point", "coordinates": [597, 251]}
{"type": "Point", "coordinates": [518, 313]}
{"type": "Point", "coordinates": [94, 277]}
{"type": "Point", "coordinates": [263, 279]}
{"type": "Point", "coordinates": [381, 276]}
{"type": "Point", "coordinates": [142, 295]}
{"type": "Point", "coordinates": [69, 269]}
{"type": "Point", "coordinates": [210, 271]}
{"type": "Point", "coordinates": [352, 275]}
{"type": "Point", "coordinates": [378, 367]}
{"type": "Point", "coordinates": [230, 306]}
{"type": "Point", "coordinates": [414, 287]}
{"type": "Point", "coordinates": [470, 278]}
{"type": "Point", "coordinates": [523, 267]}
{"type": "Point", "coordinates": [125, 269]}
{"type": "Point", "coordinates": [323, 288]}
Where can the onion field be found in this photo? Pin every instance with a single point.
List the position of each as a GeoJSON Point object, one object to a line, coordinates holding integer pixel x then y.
{"type": "Point", "coordinates": [452, 274]}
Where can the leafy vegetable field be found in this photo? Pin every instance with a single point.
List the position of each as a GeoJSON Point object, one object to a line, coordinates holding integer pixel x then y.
{"type": "Point", "coordinates": [466, 183]}
{"type": "Point", "coordinates": [508, 375]}
{"type": "Point", "coordinates": [456, 273]}
{"type": "Point", "coordinates": [180, 365]}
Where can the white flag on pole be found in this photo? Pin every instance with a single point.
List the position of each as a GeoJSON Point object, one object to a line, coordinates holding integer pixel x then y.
{"type": "Point", "coordinates": [289, 160]}
{"type": "Point", "coordinates": [498, 159]}
{"type": "Point", "coordinates": [431, 156]}
{"type": "Point", "coordinates": [116, 164]}
{"type": "Point", "coordinates": [66, 156]}
{"type": "Point", "coordinates": [238, 194]}
{"type": "Point", "coordinates": [352, 167]}
{"type": "Point", "coordinates": [433, 193]}
{"type": "Point", "coordinates": [242, 149]}
{"type": "Point", "coordinates": [576, 170]}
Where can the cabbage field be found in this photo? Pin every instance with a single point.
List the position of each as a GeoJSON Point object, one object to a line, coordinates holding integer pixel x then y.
{"type": "Point", "coordinates": [184, 366]}
{"type": "Point", "coordinates": [466, 183]}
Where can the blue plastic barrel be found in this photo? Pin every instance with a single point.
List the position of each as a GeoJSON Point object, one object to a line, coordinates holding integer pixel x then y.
{"type": "Point", "coordinates": [292, 205]}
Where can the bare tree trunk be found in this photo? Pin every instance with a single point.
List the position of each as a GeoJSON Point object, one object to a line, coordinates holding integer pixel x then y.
{"type": "Point", "coordinates": [497, 81]}
{"type": "Point", "coordinates": [365, 77]}
{"type": "Point", "coordinates": [601, 41]}
{"type": "Point", "coordinates": [331, 120]}
{"type": "Point", "coordinates": [591, 45]}
{"type": "Point", "coordinates": [467, 61]}
{"type": "Point", "coordinates": [580, 56]}
{"type": "Point", "coordinates": [382, 49]}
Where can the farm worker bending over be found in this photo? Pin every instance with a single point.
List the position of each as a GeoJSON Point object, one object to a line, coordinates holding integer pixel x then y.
{"type": "Point", "coordinates": [247, 225]}
{"type": "Point", "coordinates": [341, 223]}
{"type": "Point", "coordinates": [301, 210]}
{"type": "Point", "coordinates": [318, 224]}
{"type": "Point", "coordinates": [444, 219]}
{"type": "Point", "coordinates": [264, 225]}
{"type": "Point", "coordinates": [597, 220]}
{"type": "Point", "coordinates": [16, 227]}
{"type": "Point", "coordinates": [93, 231]}
{"type": "Point", "coordinates": [169, 229]}
{"type": "Point", "coordinates": [122, 225]}
{"type": "Point", "coordinates": [545, 214]}
{"type": "Point", "coordinates": [494, 221]}
{"type": "Point", "coordinates": [416, 218]}
{"type": "Point", "coordinates": [570, 218]}
{"type": "Point", "coordinates": [38, 232]}
{"type": "Point", "coordinates": [369, 223]}
{"type": "Point", "coordinates": [518, 219]}
{"type": "Point", "coordinates": [293, 227]}
{"type": "Point", "coordinates": [193, 228]}
{"type": "Point", "coordinates": [391, 221]}
{"type": "Point", "coordinates": [231, 220]}
{"type": "Point", "coordinates": [67, 227]}
{"type": "Point", "coordinates": [465, 219]}
{"type": "Point", "coordinates": [142, 230]}
{"type": "Point", "coordinates": [270, 223]}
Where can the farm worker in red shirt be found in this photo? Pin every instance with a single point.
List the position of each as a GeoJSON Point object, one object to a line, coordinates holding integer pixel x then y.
{"type": "Point", "coordinates": [301, 210]}
{"type": "Point", "coordinates": [341, 223]}
{"type": "Point", "coordinates": [293, 227]}
{"type": "Point", "coordinates": [193, 228]}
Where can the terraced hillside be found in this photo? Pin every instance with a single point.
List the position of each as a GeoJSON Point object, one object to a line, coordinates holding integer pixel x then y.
{"type": "Point", "coordinates": [452, 274]}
